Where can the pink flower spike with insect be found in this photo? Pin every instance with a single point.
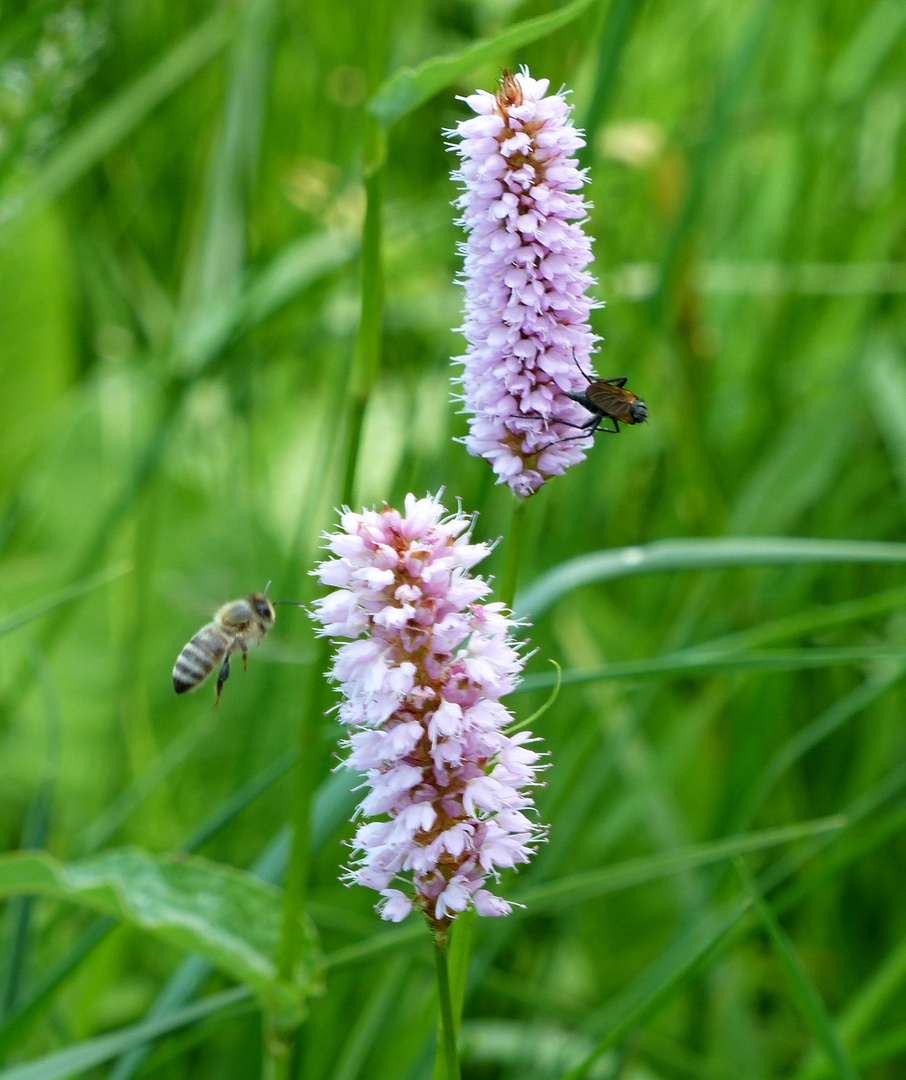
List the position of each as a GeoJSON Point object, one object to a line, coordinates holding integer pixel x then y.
{"type": "Point", "coordinates": [525, 279]}
{"type": "Point", "coordinates": [447, 801]}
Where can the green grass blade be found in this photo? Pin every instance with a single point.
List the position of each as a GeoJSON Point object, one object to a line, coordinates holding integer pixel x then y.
{"type": "Point", "coordinates": [669, 972]}
{"type": "Point", "coordinates": [17, 1025]}
{"type": "Point", "coordinates": [402, 93]}
{"type": "Point", "coordinates": [692, 660]}
{"type": "Point", "coordinates": [886, 382]}
{"type": "Point", "coordinates": [188, 979]}
{"type": "Point", "coordinates": [230, 809]}
{"type": "Point", "coordinates": [115, 119]}
{"type": "Point", "coordinates": [850, 705]}
{"type": "Point", "coordinates": [365, 1031]}
{"type": "Point", "coordinates": [802, 989]}
{"type": "Point", "coordinates": [75, 1060]}
{"type": "Point", "coordinates": [625, 875]}
{"type": "Point", "coordinates": [731, 83]}
{"type": "Point", "coordinates": [878, 991]}
{"type": "Point", "coordinates": [234, 161]}
{"type": "Point", "coordinates": [364, 950]}
{"type": "Point", "coordinates": [665, 556]}
{"type": "Point", "coordinates": [64, 596]}
{"type": "Point", "coordinates": [807, 622]}
{"type": "Point", "coordinates": [867, 50]}
{"type": "Point", "coordinates": [614, 35]}
{"type": "Point", "coordinates": [20, 909]}
{"type": "Point", "coordinates": [104, 827]}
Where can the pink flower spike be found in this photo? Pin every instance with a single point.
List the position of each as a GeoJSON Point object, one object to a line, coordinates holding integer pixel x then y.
{"type": "Point", "coordinates": [526, 283]}
{"type": "Point", "coordinates": [447, 790]}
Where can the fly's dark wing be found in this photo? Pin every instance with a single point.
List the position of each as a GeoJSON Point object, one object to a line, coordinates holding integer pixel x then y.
{"type": "Point", "coordinates": [611, 400]}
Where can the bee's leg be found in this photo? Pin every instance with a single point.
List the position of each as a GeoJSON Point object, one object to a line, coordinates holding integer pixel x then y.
{"type": "Point", "coordinates": [245, 655]}
{"type": "Point", "coordinates": [620, 381]}
{"type": "Point", "coordinates": [222, 677]}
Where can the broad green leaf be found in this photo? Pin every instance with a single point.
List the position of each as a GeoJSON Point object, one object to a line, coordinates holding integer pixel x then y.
{"type": "Point", "coordinates": [405, 91]}
{"type": "Point", "coordinates": [697, 554]}
{"type": "Point", "coordinates": [801, 986]}
{"type": "Point", "coordinates": [224, 914]}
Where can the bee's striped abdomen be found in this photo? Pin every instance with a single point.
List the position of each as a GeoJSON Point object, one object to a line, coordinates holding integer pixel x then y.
{"type": "Point", "coordinates": [199, 658]}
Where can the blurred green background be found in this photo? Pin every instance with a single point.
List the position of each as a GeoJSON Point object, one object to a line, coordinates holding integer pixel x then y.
{"type": "Point", "coordinates": [180, 209]}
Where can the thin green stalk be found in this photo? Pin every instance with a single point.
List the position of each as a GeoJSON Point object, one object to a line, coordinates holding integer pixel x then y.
{"type": "Point", "coordinates": [278, 1041]}
{"type": "Point", "coordinates": [611, 49]}
{"type": "Point", "coordinates": [447, 1023]}
{"type": "Point", "coordinates": [366, 363]}
{"type": "Point", "coordinates": [514, 546]}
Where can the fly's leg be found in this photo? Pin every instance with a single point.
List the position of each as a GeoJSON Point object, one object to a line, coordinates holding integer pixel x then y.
{"type": "Point", "coordinates": [585, 374]}
{"type": "Point", "coordinates": [222, 677]}
{"type": "Point", "coordinates": [588, 430]}
{"type": "Point", "coordinates": [619, 381]}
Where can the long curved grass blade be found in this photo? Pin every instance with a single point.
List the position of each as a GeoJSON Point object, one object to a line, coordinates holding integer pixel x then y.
{"type": "Point", "coordinates": [692, 660]}
{"type": "Point", "coordinates": [802, 988]}
{"type": "Point", "coordinates": [855, 1019]}
{"type": "Point", "coordinates": [807, 622]}
{"type": "Point", "coordinates": [100, 831]}
{"type": "Point", "coordinates": [63, 596]}
{"type": "Point", "coordinates": [697, 554]}
{"type": "Point", "coordinates": [364, 1032]}
{"type": "Point", "coordinates": [114, 120]}
{"type": "Point", "coordinates": [732, 81]}
{"type": "Point", "coordinates": [20, 910]}
{"type": "Point", "coordinates": [833, 718]}
{"type": "Point", "coordinates": [625, 875]}
{"type": "Point", "coordinates": [75, 1060]}
{"type": "Point", "coordinates": [380, 943]}
{"type": "Point", "coordinates": [876, 1052]}
{"type": "Point", "coordinates": [17, 1025]}
{"type": "Point", "coordinates": [674, 967]}
{"type": "Point", "coordinates": [404, 92]}
{"type": "Point", "coordinates": [620, 16]}
{"type": "Point", "coordinates": [185, 983]}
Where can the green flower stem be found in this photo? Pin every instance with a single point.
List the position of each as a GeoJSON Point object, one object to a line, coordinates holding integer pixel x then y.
{"type": "Point", "coordinates": [514, 546]}
{"type": "Point", "coordinates": [278, 1054]}
{"type": "Point", "coordinates": [447, 1023]}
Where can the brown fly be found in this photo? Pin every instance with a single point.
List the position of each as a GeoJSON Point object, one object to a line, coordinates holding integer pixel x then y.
{"type": "Point", "coordinates": [605, 399]}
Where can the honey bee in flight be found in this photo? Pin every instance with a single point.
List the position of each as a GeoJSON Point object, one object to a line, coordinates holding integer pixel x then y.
{"type": "Point", "coordinates": [235, 627]}
{"type": "Point", "coordinates": [605, 399]}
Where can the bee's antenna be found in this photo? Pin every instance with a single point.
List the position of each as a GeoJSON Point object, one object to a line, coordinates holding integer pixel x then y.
{"type": "Point", "coordinates": [294, 603]}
